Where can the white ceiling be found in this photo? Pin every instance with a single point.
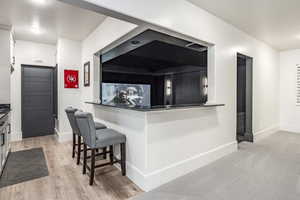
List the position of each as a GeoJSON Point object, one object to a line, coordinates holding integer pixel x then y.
{"type": "Point", "coordinates": [45, 20]}
{"type": "Point", "coordinates": [277, 22]}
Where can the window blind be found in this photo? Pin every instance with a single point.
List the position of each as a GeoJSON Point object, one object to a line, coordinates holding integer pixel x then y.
{"type": "Point", "coordinates": [298, 85]}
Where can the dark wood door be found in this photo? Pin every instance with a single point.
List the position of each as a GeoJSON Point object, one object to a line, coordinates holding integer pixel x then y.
{"type": "Point", "coordinates": [244, 98]}
{"type": "Point", "coordinates": [37, 101]}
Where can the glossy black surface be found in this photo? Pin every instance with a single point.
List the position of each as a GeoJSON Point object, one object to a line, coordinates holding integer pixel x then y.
{"type": "Point", "coordinates": [160, 108]}
{"type": "Point", "coordinates": [4, 110]}
{"type": "Point", "coordinates": [153, 58]}
{"type": "Point", "coordinates": [147, 38]}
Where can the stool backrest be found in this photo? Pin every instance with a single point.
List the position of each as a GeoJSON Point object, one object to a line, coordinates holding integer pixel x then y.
{"type": "Point", "coordinates": [71, 116]}
{"type": "Point", "coordinates": [87, 128]}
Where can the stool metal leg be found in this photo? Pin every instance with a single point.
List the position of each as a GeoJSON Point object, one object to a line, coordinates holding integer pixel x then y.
{"type": "Point", "coordinates": [111, 154]}
{"type": "Point", "coordinates": [74, 144]}
{"type": "Point", "coordinates": [84, 158]}
{"type": "Point", "coordinates": [123, 158]}
{"type": "Point", "coordinates": [92, 172]}
{"type": "Point", "coordinates": [78, 149]}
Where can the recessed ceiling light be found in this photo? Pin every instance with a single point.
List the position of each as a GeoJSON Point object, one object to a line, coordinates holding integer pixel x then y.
{"type": "Point", "coordinates": [135, 42]}
{"type": "Point", "coordinates": [35, 28]}
{"type": "Point", "coordinates": [36, 31]}
{"type": "Point", "coordinates": [40, 2]}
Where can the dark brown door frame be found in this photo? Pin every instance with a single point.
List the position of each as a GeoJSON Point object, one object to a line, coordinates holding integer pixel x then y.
{"type": "Point", "coordinates": [248, 136]}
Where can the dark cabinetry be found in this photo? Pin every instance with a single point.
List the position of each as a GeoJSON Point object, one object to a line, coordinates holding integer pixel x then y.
{"type": "Point", "coordinates": [4, 139]}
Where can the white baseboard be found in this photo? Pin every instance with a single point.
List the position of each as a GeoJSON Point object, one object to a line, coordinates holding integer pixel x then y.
{"type": "Point", "coordinates": [159, 177]}
{"type": "Point", "coordinates": [60, 136]}
{"type": "Point", "coordinates": [294, 128]}
{"type": "Point", "coordinates": [134, 174]}
{"type": "Point", "coordinates": [63, 136]}
{"type": "Point", "coordinates": [265, 133]}
{"type": "Point", "coordinates": [15, 136]}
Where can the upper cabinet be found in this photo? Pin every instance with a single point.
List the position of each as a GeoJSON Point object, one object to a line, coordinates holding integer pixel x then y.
{"type": "Point", "coordinates": [5, 36]}
{"type": "Point", "coordinates": [6, 54]}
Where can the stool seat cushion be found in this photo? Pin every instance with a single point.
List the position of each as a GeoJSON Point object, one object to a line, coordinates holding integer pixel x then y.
{"type": "Point", "coordinates": [98, 125]}
{"type": "Point", "coordinates": [107, 137]}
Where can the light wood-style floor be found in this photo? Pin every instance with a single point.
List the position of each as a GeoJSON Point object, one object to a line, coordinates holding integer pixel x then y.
{"type": "Point", "coordinates": [65, 180]}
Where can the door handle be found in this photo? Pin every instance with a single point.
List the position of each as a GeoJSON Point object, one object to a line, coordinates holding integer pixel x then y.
{"type": "Point", "coordinates": [3, 139]}
{"type": "Point", "coordinates": [9, 128]}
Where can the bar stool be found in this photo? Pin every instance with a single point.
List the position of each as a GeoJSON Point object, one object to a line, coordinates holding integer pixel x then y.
{"type": "Point", "coordinates": [95, 139]}
{"type": "Point", "coordinates": [76, 132]}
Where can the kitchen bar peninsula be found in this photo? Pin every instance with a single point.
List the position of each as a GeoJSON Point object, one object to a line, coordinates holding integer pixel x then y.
{"type": "Point", "coordinates": [160, 108]}
{"type": "Point", "coordinates": [167, 142]}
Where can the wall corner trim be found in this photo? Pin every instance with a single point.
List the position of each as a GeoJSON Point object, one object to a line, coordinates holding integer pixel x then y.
{"type": "Point", "coordinates": [16, 136]}
{"type": "Point", "coordinates": [290, 127]}
{"type": "Point", "coordinates": [259, 135]}
{"type": "Point", "coordinates": [62, 137]}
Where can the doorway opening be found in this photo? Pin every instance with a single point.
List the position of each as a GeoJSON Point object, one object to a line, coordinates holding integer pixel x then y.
{"type": "Point", "coordinates": [244, 98]}
{"type": "Point", "coordinates": [38, 100]}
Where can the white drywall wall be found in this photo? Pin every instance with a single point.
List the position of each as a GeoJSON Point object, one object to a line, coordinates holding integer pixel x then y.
{"type": "Point", "coordinates": [289, 112]}
{"type": "Point", "coordinates": [27, 53]}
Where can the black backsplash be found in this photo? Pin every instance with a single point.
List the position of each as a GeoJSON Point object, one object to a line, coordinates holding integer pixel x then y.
{"type": "Point", "coordinates": [4, 108]}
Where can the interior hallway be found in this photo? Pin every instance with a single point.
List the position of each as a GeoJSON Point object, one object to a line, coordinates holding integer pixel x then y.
{"type": "Point", "coordinates": [266, 170]}
{"type": "Point", "coordinates": [65, 180]}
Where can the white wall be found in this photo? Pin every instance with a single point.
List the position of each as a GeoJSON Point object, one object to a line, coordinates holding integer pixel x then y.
{"type": "Point", "coordinates": [26, 53]}
{"type": "Point", "coordinates": [199, 133]}
{"type": "Point", "coordinates": [5, 38]}
{"type": "Point", "coordinates": [107, 32]}
{"type": "Point", "coordinates": [68, 57]}
{"type": "Point", "coordinates": [289, 112]}
{"type": "Point", "coordinates": [67, 54]}
{"type": "Point", "coordinates": [228, 41]}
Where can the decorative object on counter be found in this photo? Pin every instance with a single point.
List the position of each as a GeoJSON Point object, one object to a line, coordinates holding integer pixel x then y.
{"type": "Point", "coordinates": [131, 95]}
{"type": "Point", "coordinates": [86, 74]}
{"type": "Point", "coordinates": [71, 79]}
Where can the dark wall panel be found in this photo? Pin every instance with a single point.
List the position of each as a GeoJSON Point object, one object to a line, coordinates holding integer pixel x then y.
{"type": "Point", "coordinates": [188, 88]}
{"type": "Point", "coordinates": [241, 85]}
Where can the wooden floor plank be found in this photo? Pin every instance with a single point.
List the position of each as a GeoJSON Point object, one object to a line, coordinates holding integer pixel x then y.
{"type": "Point", "coordinates": [65, 180]}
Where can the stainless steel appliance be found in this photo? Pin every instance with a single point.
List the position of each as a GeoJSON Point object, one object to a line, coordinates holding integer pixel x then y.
{"type": "Point", "coordinates": [5, 130]}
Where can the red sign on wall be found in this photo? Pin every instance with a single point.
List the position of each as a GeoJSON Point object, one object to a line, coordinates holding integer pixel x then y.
{"type": "Point", "coordinates": [71, 78]}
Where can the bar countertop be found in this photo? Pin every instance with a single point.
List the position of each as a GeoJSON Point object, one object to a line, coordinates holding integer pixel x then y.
{"type": "Point", "coordinates": [159, 108]}
{"type": "Point", "coordinates": [4, 110]}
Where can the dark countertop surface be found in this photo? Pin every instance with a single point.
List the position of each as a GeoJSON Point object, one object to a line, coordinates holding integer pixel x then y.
{"type": "Point", "coordinates": [159, 108]}
{"type": "Point", "coordinates": [4, 110]}
{"type": "Point", "coordinates": [2, 119]}
{"type": "Point", "coordinates": [2, 115]}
